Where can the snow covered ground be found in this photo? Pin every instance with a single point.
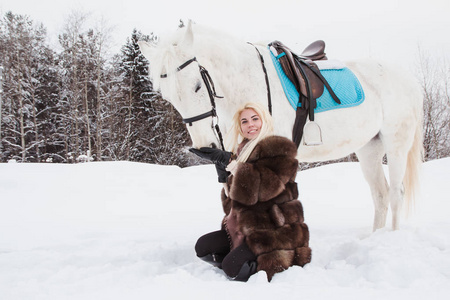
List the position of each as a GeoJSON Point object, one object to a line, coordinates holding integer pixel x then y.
{"type": "Point", "coordinates": [121, 230]}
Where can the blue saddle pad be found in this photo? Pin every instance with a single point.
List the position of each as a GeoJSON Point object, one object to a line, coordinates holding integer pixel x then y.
{"type": "Point", "coordinates": [343, 82]}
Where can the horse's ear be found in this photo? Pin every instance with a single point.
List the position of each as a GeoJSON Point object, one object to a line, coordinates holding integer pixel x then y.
{"type": "Point", "coordinates": [188, 39]}
{"type": "Point", "coordinates": [146, 49]}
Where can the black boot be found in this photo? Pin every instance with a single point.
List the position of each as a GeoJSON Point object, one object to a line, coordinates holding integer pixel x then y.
{"type": "Point", "coordinates": [214, 259]}
{"type": "Point", "coordinates": [247, 270]}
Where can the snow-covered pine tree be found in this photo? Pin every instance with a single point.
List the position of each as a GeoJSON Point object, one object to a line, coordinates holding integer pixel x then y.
{"type": "Point", "coordinates": [135, 110]}
{"type": "Point", "coordinates": [153, 131]}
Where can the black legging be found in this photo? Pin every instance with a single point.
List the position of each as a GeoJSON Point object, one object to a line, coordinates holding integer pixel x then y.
{"type": "Point", "coordinates": [217, 243]}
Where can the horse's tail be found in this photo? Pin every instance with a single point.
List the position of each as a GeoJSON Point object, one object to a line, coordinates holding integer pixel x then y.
{"type": "Point", "coordinates": [413, 167]}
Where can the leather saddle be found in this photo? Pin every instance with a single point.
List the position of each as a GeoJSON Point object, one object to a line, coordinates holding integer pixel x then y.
{"type": "Point", "coordinates": [315, 51]}
{"type": "Point", "coordinates": [306, 77]}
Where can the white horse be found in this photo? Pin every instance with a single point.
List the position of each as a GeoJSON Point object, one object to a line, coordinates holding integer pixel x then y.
{"type": "Point", "coordinates": [389, 121]}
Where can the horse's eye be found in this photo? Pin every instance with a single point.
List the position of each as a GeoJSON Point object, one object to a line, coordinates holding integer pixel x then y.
{"type": "Point", "coordinates": [198, 86]}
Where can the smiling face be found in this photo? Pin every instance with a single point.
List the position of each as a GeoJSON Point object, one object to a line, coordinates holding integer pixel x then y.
{"type": "Point", "coordinates": [250, 123]}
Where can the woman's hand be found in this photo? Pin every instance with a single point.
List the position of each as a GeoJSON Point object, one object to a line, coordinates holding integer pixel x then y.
{"type": "Point", "coordinates": [217, 156]}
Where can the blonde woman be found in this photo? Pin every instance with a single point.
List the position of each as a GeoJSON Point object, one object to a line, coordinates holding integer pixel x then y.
{"type": "Point", "coordinates": [263, 227]}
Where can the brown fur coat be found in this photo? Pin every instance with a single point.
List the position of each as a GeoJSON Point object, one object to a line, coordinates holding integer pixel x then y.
{"type": "Point", "coordinates": [262, 205]}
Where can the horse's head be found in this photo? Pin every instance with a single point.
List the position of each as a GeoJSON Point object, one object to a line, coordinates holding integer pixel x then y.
{"type": "Point", "coordinates": [182, 81]}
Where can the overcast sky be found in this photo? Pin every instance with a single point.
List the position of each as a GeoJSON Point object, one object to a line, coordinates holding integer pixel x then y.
{"type": "Point", "coordinates": [386, 29]}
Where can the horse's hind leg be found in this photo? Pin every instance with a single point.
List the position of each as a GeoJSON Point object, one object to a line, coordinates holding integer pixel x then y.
{"type": "Point", "coordinates": [397, 167]}
{"type": "Point", "coordinates": [398, 146]}
{"type": "Point", "coordinates": [370, 158]}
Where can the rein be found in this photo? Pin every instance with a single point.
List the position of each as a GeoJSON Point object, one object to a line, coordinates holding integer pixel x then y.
{"type": "Point", "coordinates": [207, 80]}
{"type": "Point", "coordinates": [269, 97]}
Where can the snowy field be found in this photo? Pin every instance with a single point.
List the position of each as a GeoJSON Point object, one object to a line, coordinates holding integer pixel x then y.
{"type": "Point", "coordinates": [121, 230]}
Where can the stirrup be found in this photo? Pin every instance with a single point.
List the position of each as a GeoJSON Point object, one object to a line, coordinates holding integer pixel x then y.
{"type": "Point", "coordinates": [312, 134]}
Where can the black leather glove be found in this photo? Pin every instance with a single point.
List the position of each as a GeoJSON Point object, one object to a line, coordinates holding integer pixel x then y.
{"type": "Point", "coordinates": [222, 173]}
{"type": "Point", "coordinates": [217, 156]}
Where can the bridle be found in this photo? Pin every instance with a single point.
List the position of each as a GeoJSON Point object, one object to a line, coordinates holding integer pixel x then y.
{"type": "Point", "coordinates": [207, 80]}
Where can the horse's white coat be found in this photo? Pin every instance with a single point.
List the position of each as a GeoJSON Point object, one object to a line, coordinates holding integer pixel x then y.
{"type": "Point", "coordinates": [389, 121]}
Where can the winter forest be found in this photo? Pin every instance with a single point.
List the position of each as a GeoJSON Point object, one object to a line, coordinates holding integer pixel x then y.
{"type": "Point", "coordinates": [78, 103]}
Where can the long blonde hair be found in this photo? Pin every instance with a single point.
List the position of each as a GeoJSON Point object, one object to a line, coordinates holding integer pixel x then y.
{"type": "Point", "coordinates": [235, 135]}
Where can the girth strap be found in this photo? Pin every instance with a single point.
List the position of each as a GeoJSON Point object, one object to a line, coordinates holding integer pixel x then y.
{"type": "Point", "coordinates": [325, 82]}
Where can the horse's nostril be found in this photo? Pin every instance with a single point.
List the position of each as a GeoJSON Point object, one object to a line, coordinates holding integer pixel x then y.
{"type": "Point", "coordinates": [213, 146]}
